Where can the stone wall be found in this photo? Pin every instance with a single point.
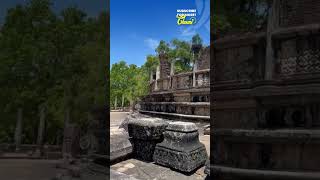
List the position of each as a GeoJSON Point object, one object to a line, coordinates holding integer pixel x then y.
{"type": "Point", "coordinates": [298, 55]}
{"type": "Point", "coordinates": [299, 12]}
{"type": "Point", "coordinates": [204, 59]}
{"type": "Point", "coordinates": [244, 62]}
{"type": "Point", "coordinates": [269, 125]}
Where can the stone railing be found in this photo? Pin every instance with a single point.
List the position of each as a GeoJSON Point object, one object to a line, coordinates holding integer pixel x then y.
{"type": "Point", "coordinates": [297, 51]}
{"type": "Point", "coordinates": [203, 78]}
{"type": "Point", "coordinates": [182, 81]}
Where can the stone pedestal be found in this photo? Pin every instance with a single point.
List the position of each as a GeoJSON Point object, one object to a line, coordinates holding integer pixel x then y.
{"type": "Point", "coordinates": [181, 148]}
{"type": "Point", "coordinates": [145, 133]}
{"type": "Point", "coordinates": [120, 146]}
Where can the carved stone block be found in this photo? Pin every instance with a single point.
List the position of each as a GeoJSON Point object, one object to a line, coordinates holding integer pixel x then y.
{"type": "Point", "coordinates": [145, 133]}
{"type": "Point", "coordinates": [181, 148]}
{"type": "Point", "coordinates": [120, 146]}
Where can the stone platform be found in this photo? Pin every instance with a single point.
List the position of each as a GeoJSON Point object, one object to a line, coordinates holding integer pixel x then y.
{"type": "Point", "coordinates": [149, 170]}
{"type": "Point", "coordinates": [181, 148]}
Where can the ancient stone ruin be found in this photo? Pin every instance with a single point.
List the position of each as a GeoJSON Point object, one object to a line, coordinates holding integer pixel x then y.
{"type": "Point", "coordinates": [154, 132]}
{"type": "Point", "coordinates": [180, 96]}
{"type": "Point", "coordinates": [266, 98]}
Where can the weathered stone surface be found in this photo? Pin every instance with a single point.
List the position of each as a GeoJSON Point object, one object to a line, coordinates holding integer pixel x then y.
{"type": "Point", "coordinates": [145, 133]}
{"type": "Point", "coordinates": [146, 128]}
{"type": "Point", "coordinates": [206, 130]}
{"type": "Point", "coordinates": [144, 149]}
{"type": "Point", "coordinates": [120, 176]}
{"type": "Point", "coordinates": [266, 113]}
{"type": "Point", "coordinates": [207, 168]}
{"type": "Point", "coordinates": [120, 146]}
{"type": "Point", "coordinates": [181, 148]}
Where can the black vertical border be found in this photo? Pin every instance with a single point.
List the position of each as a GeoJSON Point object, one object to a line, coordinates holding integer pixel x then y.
{"type": "Point", "coordinates": [211, 84]}
{"type": "Point", "coordinates": [108, 89]}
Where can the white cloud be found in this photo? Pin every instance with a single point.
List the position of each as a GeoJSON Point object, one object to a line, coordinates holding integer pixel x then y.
{"type": "Point", "coordinates": [151, 43]}
{"type": "Point", "coordinates": [188, 32]}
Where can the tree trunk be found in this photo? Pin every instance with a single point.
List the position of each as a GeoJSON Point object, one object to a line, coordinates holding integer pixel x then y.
{"type": "Point", "coordinates": [115, 103]}
{"type": "Point", "coordinates": [41, 125]}
{"type": "Point", "coordinates": [67, 116]}
{"type": "Point", "coordinates": [18, 131]}
{"type": "Point", "coordinates": [122, 103]}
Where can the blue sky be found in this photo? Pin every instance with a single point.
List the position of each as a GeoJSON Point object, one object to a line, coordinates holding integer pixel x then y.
{"type": "Point", "coordinates": [138, 25]}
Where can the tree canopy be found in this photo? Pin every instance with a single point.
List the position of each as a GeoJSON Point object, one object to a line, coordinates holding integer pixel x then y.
{"type": "Point", "coordinates": [234, 16]}
{"type": "Point", "coordinates": [53, 60]}
{"type": "Point", "coordinates": [129, 83]}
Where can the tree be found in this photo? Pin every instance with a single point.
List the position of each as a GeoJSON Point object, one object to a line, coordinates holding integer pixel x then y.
{"type": "Point", "coordinates": [234, 16]}
{"type": "Point", "coordinates": [51, 60]}
{"type": "Point", "coordinates": [163, 48]}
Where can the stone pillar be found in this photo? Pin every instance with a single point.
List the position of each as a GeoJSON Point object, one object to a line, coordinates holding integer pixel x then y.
{"type": "Point", "coordinates": [18, 131]}
{"type": "Point", "coordinates": [172, 67]}
{"type": "Point", "coordinates": [194, 75]}
{"type": "Point", "coordinates": [164, 66]}
{"type": "Point", "coordinates": [273, 24]}
{"type": "Point", "coordinates": [151, 76]}
{"type": "Point", "coordinates": [157, 77]}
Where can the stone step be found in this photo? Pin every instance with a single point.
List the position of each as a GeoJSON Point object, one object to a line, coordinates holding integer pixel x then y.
{"type": "Point", "coordinates": [266, 174]}
{"type": "Point", "coordinates": [53, 155]}
{"type": "Point", "coordinates": [18, 156]}
{"type": "Point", "coordinates": [176, 115]}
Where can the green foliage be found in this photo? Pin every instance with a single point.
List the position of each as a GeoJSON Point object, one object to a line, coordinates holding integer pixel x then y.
{"type": "Point", "coordinates": [163, 48]}
{"type": "Point", "coordinates": [55, 60]}
{"type": "Point", "coordinates": [132, 82]}
{"type": "Point", "coordinates": [196, 39]}
{"type": "Point", "coordinates": [239, 16]}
